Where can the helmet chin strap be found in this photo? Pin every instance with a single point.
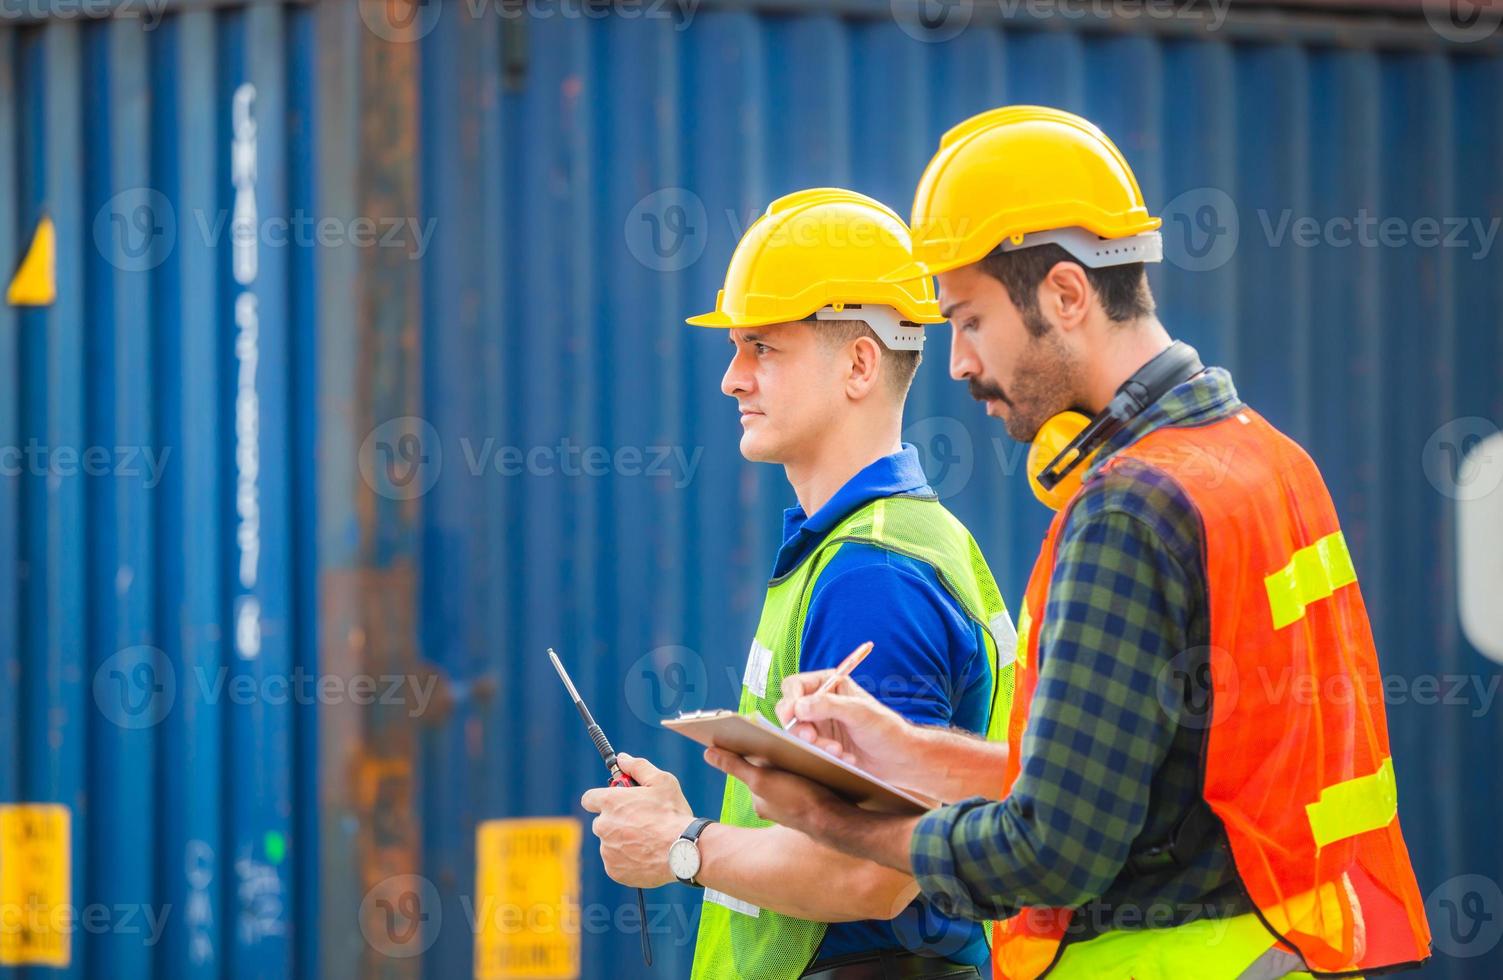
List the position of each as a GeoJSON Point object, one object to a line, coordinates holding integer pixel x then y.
{"type": "Point", "coordinates": [894, 331]}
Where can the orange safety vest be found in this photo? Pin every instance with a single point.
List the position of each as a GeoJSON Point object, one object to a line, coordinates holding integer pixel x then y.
{"type": "Point", "coordinates": [1296, 760]}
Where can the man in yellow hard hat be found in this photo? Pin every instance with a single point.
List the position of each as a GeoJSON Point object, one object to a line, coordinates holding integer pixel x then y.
{"type": "Point", "coordinates": [825, 315]}
{"type": "Point", "coordinates": [1197, 780]}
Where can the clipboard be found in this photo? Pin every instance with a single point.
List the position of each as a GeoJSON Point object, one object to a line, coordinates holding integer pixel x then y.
{"type": "Point", "coordinates": [765, 744]}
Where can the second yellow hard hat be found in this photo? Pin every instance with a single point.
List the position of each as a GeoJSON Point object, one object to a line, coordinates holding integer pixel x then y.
{"type": "Point", "coordinates": [1022, 175]}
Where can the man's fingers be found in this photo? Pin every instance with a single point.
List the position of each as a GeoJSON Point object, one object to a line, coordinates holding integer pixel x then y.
{"type": "Point", "coordinates": [811, 733]}
{"type": "Point", "coordinates": [798, 685]}
{"type": "Point", "coordinates": [834, 707]}
{"type": "Point", "coordinates": [594, 800]}
{"type": "Point", "coordinates": [731, 764]}
{"type": "Point", "coordinates": [805, 731]}
{"type": "Point", "coordinates": [831, 746]}
{"type": "Point", "coordinates": [644, 773]}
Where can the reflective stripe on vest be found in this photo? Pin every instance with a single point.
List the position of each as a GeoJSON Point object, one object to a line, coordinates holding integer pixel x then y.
{"type": "Point", "coordinates": [1314, 573]}
{"type": "Point", "coordinates": [1327, 867]}
{"type": "Point", "coordinates": [1355, 806]}
{"type": "Point", "coordinates": [735, 944]}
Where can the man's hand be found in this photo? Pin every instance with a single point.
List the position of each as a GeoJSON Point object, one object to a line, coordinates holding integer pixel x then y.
{"type": "Point", "coordinates": [809, 808]}
{"type": "Point", "coordinates": [637, 824]}
{"type": "Point", "coordinates": [780, 796]}
{"type": "Point", "coordinates": [850, 724]}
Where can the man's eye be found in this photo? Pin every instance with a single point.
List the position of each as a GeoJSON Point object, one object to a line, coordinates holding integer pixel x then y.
{"type": "Point", "coordinates": [969, 326]}
{"type": "Point", "coordinates": [762, 348]}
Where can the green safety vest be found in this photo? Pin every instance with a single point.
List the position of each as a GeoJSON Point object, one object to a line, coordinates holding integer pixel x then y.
{"type": "Point", "coordinates": [738, 941]}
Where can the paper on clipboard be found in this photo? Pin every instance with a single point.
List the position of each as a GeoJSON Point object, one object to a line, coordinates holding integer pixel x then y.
{"type": "Point", "coordinates": [763, 743]}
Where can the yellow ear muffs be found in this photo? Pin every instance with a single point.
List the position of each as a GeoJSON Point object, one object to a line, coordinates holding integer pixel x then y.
{"type": "Point", "coordinates": [1052, 438]}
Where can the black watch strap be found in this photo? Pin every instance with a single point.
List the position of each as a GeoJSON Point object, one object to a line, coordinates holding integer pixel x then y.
{"type": "Point", "coordinates": [691, 834]}
{"type": "Point", "coordinates": [696, 828]}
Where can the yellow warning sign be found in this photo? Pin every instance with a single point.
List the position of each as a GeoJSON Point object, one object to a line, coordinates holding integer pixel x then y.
{"type": "Point", "coordinates": [35, 911]}
{"type": "Point", "coordinates": [35, 283]}
{"type": "Point", "coordinates": [527, 899]}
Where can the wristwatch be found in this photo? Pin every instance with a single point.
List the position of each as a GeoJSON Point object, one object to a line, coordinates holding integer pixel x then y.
{"type": "Point", "coordinates": [683, 854]}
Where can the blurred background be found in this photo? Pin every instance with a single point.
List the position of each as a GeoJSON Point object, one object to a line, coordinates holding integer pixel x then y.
{"type": "Point", "coordinates": [343, 371]}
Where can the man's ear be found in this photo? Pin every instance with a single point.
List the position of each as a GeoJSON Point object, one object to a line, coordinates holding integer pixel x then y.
{"type": "Point", "coordinates": [866, 362]}
{"type": "Point", "coordinates": [1065, 295]}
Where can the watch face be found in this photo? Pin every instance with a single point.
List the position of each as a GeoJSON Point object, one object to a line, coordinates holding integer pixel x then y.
{"type": "Point", "coordinates": [683, 859]}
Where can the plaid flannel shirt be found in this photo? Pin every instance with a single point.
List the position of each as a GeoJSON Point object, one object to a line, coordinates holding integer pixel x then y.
{"type": "Point", "coordinates": [1110, 756]}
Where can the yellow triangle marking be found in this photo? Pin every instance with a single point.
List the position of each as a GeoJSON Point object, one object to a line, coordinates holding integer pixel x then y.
{"type": "Point", "coordinates": [36, 282]}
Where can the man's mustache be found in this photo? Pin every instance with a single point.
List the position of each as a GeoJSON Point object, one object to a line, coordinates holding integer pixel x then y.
{"type": "Point", "coordinates": [983, 390]}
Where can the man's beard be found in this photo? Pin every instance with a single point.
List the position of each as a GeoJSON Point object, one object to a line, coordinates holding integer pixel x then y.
{"type": "Point", "coordinates": [1044, 386]}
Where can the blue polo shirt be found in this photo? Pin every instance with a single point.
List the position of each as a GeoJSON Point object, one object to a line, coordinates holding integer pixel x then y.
{"type": "Point", "coordinates": [928, 663]}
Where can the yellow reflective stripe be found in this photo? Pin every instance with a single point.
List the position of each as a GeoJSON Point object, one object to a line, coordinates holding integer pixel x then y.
{"type": "Point", "coordinates": [1025, 625]}
{"type": "Point", "coordinates": [1355, 806]}
{"type": "Point", "coordinates": [1313, 573]}
{"type": "Point", "coordinates": [879, 515]}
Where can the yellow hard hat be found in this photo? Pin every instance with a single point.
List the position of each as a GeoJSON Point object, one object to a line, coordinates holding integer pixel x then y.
{"type": "Point", "coordinates": [1023, 175]}
{"type": "Point", "coordinates": [819, 252]}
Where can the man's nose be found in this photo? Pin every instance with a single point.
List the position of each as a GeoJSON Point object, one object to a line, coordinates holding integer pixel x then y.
{"type": "Point", "coordinates": [962, 358]}
{"type": "Point", "coordinates": [737, 380]}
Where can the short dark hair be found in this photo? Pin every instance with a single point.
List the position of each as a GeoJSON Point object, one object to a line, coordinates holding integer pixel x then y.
{"type": "Point", "coordinates": [899, 365]}
{"type": "Point", "coordinates": [1123, 288]}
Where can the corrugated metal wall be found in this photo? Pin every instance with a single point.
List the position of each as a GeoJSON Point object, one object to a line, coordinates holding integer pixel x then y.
{"type": "Point", "coordinates": [125, 579]}
{"type": "Point", "coordinates": [567, 189]}
{"type": "Point", "coordinates": [553, 315]}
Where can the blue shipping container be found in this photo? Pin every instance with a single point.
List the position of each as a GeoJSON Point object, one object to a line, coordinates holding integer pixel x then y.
{"type": "Point", "coordinates": [367, 362]}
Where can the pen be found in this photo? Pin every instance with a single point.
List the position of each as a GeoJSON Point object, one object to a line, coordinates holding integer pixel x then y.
{"type": "Point", "coordinates": [850, 663]}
